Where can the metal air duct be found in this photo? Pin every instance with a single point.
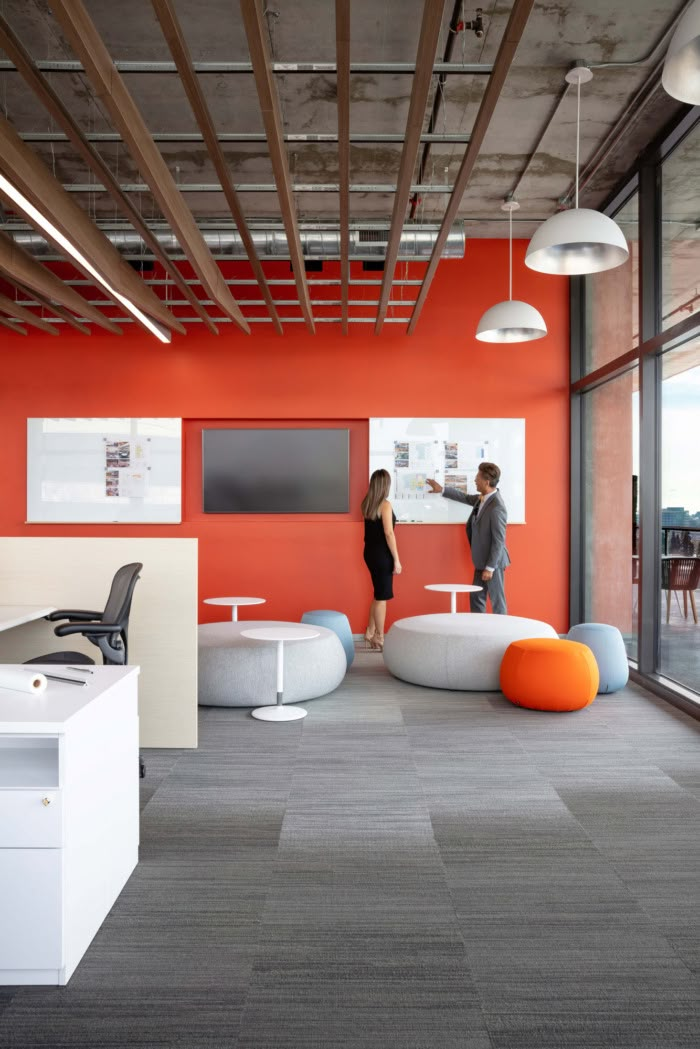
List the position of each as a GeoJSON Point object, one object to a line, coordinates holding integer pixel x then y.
{"type": "Point", "coordinates": [365, 243]}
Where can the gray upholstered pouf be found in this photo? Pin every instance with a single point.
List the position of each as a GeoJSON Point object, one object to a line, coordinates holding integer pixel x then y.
{"type": "Point", "coordinates": [462, 651]}
{"type": "Point", "coordinates": [236, 671]}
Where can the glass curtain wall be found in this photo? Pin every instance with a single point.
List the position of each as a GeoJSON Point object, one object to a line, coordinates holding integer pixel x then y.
{"type": "Point", "coordinates": [636, 420]}
{"type": "Point", "coordinates": [679, 634]}
{"type": "Point", "coordinates": [611, 457]}
{"type": "Point", "coordinates": [612, 299]}
{"type": "Point", "coordinates": [680, 232]}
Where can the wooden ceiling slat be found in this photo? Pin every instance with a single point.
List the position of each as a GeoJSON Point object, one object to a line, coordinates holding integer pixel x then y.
{"type": "Point", "coordinates": [425, 60]}
{"type": "Point", "coordinates": [172, 31]}
{"type": "Point", "coordinates": [44, 301]}
{"type": "Point", "coordinates": [19, 264]}
{"type": "Point", "coordinates": [109, 86]}
{"type": "Point", "coordinates": [41, 87]}
{"type": "Point", "coordinates": [256, 33]}
{"type": "Point", "coordinates": [512, 35]}
{"type": "Point", "coordinates": [16, 328]}
{"type": "Point", "coordinates": [32, 178]}
{"type": "Point", "coordinates": [21, 313]}
{"type": "Point", "coordinates": [342, 48]}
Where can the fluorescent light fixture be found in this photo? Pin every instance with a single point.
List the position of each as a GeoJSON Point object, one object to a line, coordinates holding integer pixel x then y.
{"type": "Point", "coordinates": [513, 320]}
{"type": "Point", "coordinates": [579, 240]}
{"type": "Point", "coordinates": [55, 234]}
{"type": "Point", "coordinates": [681, 75]}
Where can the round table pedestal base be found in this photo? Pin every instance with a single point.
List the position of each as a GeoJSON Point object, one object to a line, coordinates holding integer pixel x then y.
{"type": "Point", "coordinates": [279, 713]}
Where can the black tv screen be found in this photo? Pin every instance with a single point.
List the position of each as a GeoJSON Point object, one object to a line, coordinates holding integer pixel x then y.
{"type": "Point", "coordinates": [275, 471]}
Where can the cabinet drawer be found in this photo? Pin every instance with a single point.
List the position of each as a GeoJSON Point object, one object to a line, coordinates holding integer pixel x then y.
{"type": "Point", "coordinates": [31, 819]}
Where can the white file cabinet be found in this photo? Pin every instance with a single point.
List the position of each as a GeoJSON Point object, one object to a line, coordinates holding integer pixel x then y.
{"type": "Point", "coordinates": [69, 818]}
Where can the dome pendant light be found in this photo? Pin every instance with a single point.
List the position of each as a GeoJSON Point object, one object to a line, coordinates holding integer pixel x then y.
{"type": "Point", "coordinates": [681, 75]}
{"type": "Point", "coordinates": [579, 240]}
{"type": "Point", "coordinates": [511, 321]}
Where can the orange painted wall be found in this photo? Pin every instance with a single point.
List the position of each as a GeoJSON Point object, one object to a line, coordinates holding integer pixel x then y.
{"type": "Point", "coordinates": [297, 562]}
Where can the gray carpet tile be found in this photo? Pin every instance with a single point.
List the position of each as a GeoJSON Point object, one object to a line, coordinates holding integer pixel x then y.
{"type": "Point", "coordinates": [624, 1027]}
{"type": "Point", "coordinates": [160, 764]}
{"type": "Point", "coordinates": [173, 1019]}
{"type": "Point", "coordinates": [406, 868]}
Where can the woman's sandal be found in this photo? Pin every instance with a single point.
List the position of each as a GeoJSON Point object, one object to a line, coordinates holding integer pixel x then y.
{"type": "Point", "coordinates": [368, 639]}
{"type": "Point", "coordinates": [377, 642]}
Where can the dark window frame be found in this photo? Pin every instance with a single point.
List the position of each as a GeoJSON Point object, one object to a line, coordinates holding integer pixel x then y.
{"type": "Point", "coordinates": [645, 179]}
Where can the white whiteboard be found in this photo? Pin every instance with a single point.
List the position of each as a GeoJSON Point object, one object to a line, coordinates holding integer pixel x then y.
{"type": "Point", "coordinates": [114, 471]}
{"type": "Point", "coordinates": [448, 450]}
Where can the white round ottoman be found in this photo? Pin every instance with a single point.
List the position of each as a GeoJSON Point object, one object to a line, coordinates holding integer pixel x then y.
{"type": "Point", "coordinates": [235, 671]}
{"type": "Point", "coordinates": [462, 651]}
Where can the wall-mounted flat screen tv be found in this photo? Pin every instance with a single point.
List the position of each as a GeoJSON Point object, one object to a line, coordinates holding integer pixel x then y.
{"type": "Point", "coordinates": [276, 471]}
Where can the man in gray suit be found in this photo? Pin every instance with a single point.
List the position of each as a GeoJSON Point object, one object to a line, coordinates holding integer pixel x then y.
{"type": "Point", "coordinates": [486, 531]}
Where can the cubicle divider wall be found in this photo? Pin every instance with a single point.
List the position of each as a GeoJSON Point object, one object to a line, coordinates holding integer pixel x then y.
{"type": "Point", "coordinates": [76, 572]}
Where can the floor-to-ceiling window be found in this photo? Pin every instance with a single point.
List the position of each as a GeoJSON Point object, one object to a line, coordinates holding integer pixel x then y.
{"type": "Point", "coordinates": [680, 231]}
{"type": "Point", "coordinates": [610, 455]}
{"type": "Point", "coordinates": [679, 634]}
{"type": "Point", "coordinates": [636, 420]}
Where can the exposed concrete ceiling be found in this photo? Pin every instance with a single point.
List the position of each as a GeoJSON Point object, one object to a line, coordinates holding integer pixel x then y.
{"type": "Point", "coordinates": [529, 147]}
{"type": "Point", "coordinates": [382, 31]}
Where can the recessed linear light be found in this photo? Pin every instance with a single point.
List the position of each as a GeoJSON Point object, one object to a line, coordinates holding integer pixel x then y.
{"type": "Point", "coordinates": [55, 234]}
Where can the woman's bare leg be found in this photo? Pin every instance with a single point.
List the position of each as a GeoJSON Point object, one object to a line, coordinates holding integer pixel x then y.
{"type": "Point", "coordinates": [371, 624]}
{"type": "Point", "coordinates": [379, 618]}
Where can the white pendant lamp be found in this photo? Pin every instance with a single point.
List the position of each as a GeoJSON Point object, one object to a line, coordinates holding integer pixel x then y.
{"type": "Point", "coordinates": [681, 75]}
{"type": "Point", "coordinates": [511, 321]}
{"type": "Point", "coordinates": [579, 240]}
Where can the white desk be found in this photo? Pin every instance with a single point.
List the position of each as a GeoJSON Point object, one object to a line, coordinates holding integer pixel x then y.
{"type": "Point", "coordinates": [16, 615]}
{"type": "Point", "coordinates": [69, 818]}
{"type": "Point", "coordinates": [280, 634]}
{"type": "Point", "coordinates": [234, 602]}
{"type": "Point", "coordinates": [453, 589]}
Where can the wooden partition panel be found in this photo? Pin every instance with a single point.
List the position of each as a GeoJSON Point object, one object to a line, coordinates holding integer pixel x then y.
{"type": "Point", "coordinates": [76, 572]}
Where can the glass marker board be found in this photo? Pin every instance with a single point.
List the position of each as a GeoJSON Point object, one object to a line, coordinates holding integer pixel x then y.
{"type": "Point", "coordinates": [111, 471]}
{"type": "Point", "coordinates": [449, 451]}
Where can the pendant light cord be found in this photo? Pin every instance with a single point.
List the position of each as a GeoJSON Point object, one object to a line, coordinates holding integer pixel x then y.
{"type": "Point", "coordinates": [578, 132]}
{"type": "Point", "coordinates": [510, 255]}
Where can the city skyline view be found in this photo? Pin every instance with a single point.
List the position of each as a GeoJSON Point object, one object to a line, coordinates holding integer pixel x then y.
{"type": "Point", "coordinates": [680, 439]}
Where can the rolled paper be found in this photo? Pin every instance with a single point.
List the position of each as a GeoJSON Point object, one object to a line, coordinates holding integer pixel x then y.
{"type": "Point", "coordinates": [22, 680]}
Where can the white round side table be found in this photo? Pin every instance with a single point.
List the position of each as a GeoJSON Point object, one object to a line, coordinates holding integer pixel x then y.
{"type": "Point", "coordinates": [234, 602]}
{"type": "Point", "coordinates": [453, 589]}
{"type": "Point", "coordinates": [280, 634]}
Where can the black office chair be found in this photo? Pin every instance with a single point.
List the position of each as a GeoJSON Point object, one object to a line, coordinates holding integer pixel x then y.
{"type": "Point", "coordinates": [108, 630]}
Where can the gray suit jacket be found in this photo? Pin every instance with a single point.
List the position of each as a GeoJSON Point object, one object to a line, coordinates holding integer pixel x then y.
{"type": "Point", "coordinates": [486, 534]}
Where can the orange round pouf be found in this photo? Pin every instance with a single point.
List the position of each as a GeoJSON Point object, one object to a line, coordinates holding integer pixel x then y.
{"type": "Point", "coordinates": [544, 673]}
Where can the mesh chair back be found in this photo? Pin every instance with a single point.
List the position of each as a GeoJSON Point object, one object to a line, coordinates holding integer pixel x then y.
{"type": "Point", "coordinates": [114, 648]}
{"type": "Point", "coordinates": [680, 573]}
{"type": "Point", "coordinates": [119, 601]}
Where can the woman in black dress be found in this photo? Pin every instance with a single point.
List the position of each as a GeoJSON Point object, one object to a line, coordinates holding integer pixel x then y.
{"type": "Point", "coordinates": [381, 553]}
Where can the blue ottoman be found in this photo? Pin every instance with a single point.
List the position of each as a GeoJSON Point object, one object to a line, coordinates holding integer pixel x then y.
{"type": "Point", "coordinates": [338, 623]}
{"type": "Point", "coordinates": [606, 644]}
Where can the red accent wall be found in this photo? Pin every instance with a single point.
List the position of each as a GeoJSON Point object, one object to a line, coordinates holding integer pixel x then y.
{"type": "Point", "coordinates": [302, 562]}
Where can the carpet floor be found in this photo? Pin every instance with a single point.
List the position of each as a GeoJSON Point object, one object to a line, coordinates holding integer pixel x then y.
{"type": "Point", "coordinates": [404, 869]}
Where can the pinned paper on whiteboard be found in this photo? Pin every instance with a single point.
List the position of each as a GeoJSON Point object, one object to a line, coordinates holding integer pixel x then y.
{"type": "Point", "coordinates": [132, 483]}
{"type": "Point", "coordinates": [448, 451]}
{"type": "Point", "coordinates": [126, 465]}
